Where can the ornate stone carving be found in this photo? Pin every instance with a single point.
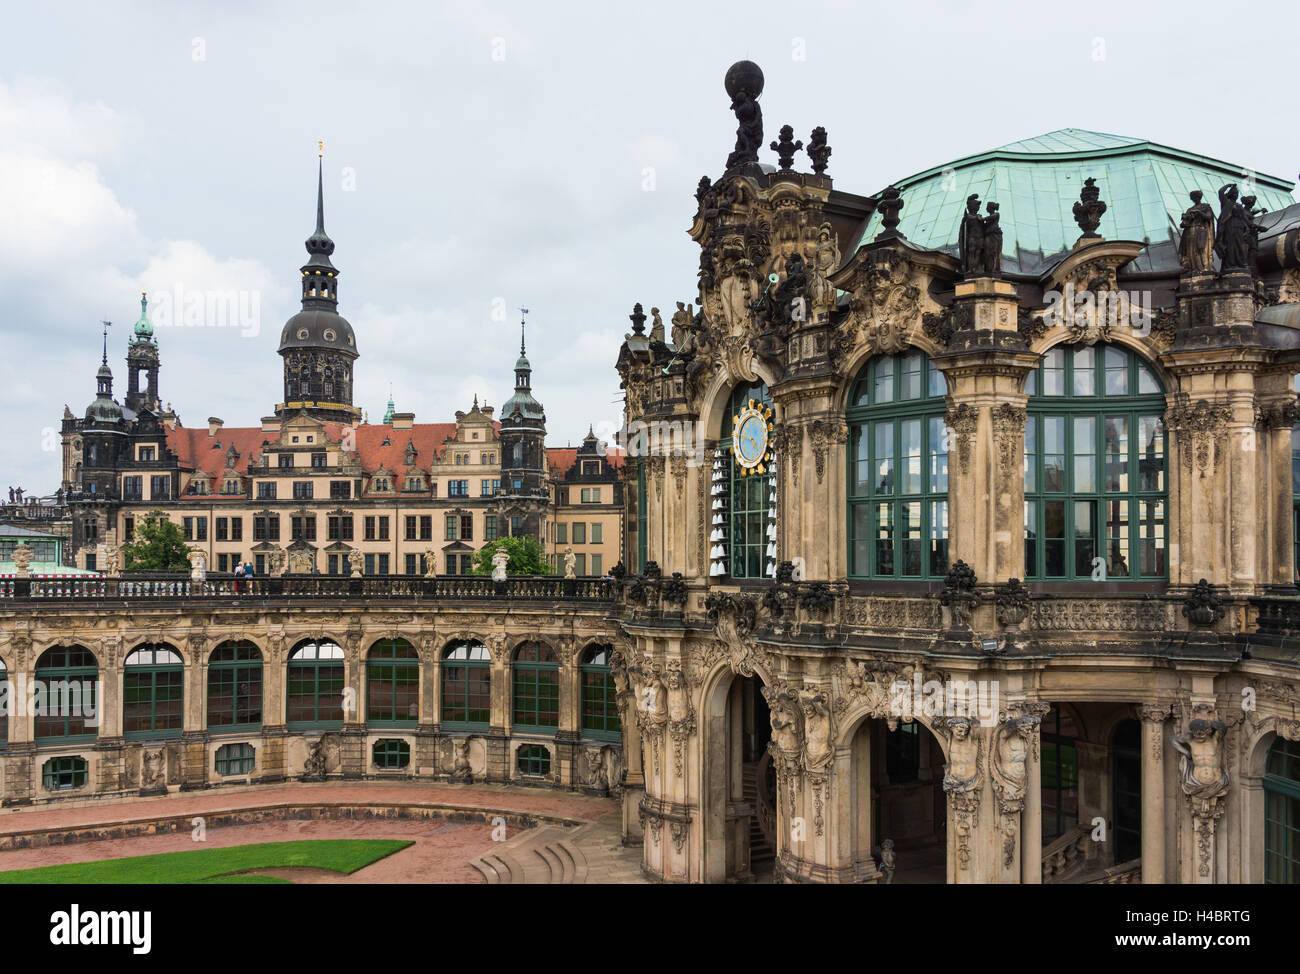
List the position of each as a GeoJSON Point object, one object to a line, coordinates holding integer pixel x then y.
{"type": "Point", "coordinates": [1204, 780]}
{"type": "Point", "coordinates": [1089, 210]}
{"type": "Point", "coordinates": [1100, 615]}
{"type": "Point", "coordinates": [962, 779]}
{"type": "Point", "coordinates": [884, 306]}
{"type": "Point", "coordinates": [786, 147]}
{"type": "Point", "coordinates": [893, 613]}
{"type": "Point", "coordinates": [940, 327]}
{"type": "Point", "coordinates": [1009, 434]}
{"type": "Point", "coordinates": [734, 617]}
{"type": "Point", "coordinates": [890, 204]}
{"type": "Point", "coordinates": [818, 151]}
{"type": "Point", "coordinates": [1196, 244]}
{"type": "Point", "coordinates": [970, 239]}
{"type": "Point", "coordinates": [1232, 240]}
{"type": "Point", "coordinates": [959, 594]}
{"type": "Point", "coordinates": [824, 434]}
{"type": "Point", "coordinates": [744, 83]}
{"type": "Point", "coordinates": [1012, 603]}
{"type": "Point", "coordinates": [1013, 741]}
{"type": "Point", "coordinates": [962, 420]}
{"type": "Point", "coordinates": [1203, 607]}
{"type": "Point", "coordinates": [1199, 427]}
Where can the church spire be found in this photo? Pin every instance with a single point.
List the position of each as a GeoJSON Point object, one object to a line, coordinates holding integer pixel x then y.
{"type": "Point", "coordinates": [319, 277]}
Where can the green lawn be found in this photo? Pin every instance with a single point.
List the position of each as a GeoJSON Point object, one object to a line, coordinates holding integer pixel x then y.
{"type": "Point", "coordinates": [217, 865]}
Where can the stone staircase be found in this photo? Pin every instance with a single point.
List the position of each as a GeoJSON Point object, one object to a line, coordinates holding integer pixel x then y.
{"type": "Point", "coordinates": [762, 856]}
{"type": "Point", "coordinates": [555, 855]}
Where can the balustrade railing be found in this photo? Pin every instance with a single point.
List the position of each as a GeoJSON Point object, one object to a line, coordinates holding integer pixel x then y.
{"type": "Point", "coordinates": [179, 587]}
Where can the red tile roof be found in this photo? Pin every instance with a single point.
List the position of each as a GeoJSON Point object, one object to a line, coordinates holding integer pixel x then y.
{"type": "Point", "coordinates": [199, 452]}
{"type": "Point", "coordinates": [562, 458]}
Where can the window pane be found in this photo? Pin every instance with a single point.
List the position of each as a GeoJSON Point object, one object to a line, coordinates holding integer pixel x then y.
{"type": "Point", "coordinates": [1151, 453]}
{"type": "Point", "coordinates": [1054, 538]}
{"type": "Point", "coordinates": [910, 529]}
{"type": "Point", "coordinates": [1147, 383]}
{"type": "Point", "coordinates": [884, 372]}
{"type": "Point", "coordinates": [1085, 457]}
{"type": "Point", "coordinates": [1085, 537]}
{"type": "Point", "coordinates": [1054, 373]}
{"type": "Point", "coordinates": [1085, 371]}
{"type": "Point", "coordinates": [938, 386]}
{"type": "Point", "coordinates": [1151, 537]}
{"type": "Point", "coordinates": [884, 478]}
{"type": "Point", "coordinates": [1117, 539]}
{"type": "Point", "coordinates": [861, 476]}
{"type": "Point", "coordinates": [911, 377]}
{"type": "Point", "coordinates": [1031, 459]}
{"type": "Point", "coordinates": [1115, 362]}
{"type": "Point", "coordinates": [938, 537]}
{"type": "Point", "coordinates": [884, 539]}
{"type": "Point", "coordinates": [861, 540]}
{"type": "Point", "coordinates": [1031, 539]}
{"type": "Point", "coordinates": [938, 456]}
{"type": "Point", "coordinates": [911, 436]}
{"type": "Point", "coordinates": [1054, 453]}
{"type": "Point", "coordinates": [1117, 453]}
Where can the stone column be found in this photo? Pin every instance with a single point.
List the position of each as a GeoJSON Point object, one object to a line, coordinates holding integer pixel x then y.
{"type": "Point", "coordinates": [1031, 819]}
{"type": "Point", "coordinates": [1153, 793]}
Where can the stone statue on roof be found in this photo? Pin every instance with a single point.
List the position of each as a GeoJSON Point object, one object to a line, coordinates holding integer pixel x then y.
{"type": "Point", "coordinates": [1196, 245]}
{"type": "Point", "coordinates": [1232, 241]}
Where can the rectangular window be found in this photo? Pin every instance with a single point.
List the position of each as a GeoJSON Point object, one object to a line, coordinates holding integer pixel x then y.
{"type": "Point", "coordinates": [318, 461]}
{"type": "Point", "coordinates": [221, 529]}
{"type": "Point", "coordinates": [410, 565]}
{"type": "Point", "coordinates": [467, 527]}
{"type": "Point", "coordinates": [160, 488]}
{"type": "Point", "coordinates": [452, 524]}
{"type": "Point", "coordinates": [411, 527]}
{"type": "Point", "coordinates": [596, 564]}
{"type": "Point", "coordinates": [370, 564]}
{"type": "Point", "coordinates": [370, 528]}
{"type": "Point", "coordinates": [302, 490]}
{"type": "Point", "coordinates": [597, 533]}
{"type": "Point", "coordinates": [128, 528]}
{"type": "Point", "coordinates": [335, 564]}
{"type": "Point", "coordinates": [147, 454]}
{"type": "Point", "coordinates": [458, 488]}
{"type": "Point", "coordinates": [236, 529]}
{"type": "Point", "coordinates": [467, 564]}
{"type": "Point", "coordinates": [426, 527]}
{"type": "Point", "coordinates": [340, 490]}
{"type": "Point", "coordinates": [266, 490]}
{"type": "Point", "coordinates": [581, 564]}
{"type": "Point", "coordinates": [489, 527]}
{"type": "Point", "coordinates": [579, 532]}
{"type": "Point", "coordinates": [383, 564]}
{"type": "Point", "coordinates": [285, 461]}
{"type": "Point", "coordinates": [561, 533]}
{"type": "Point", "coordinates": [132, 488]}
{"type": "Point", "coordinates": [516, 527]}
{"type": "Point", "coordinates": [383, 528]}
{"type": "Point", "coordinates": [591, 495]}
{"type": "Point", "coordinates": [485, 488]}
{"type": "Point", "coordinates": [451, 564]}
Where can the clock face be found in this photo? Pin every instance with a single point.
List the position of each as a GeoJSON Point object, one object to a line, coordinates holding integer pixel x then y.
{"type": "Point", "coordinates": [751, 438]}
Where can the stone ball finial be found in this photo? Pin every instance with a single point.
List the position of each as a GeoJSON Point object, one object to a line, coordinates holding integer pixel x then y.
{"type": "Point", "coordinates": [744, 76]}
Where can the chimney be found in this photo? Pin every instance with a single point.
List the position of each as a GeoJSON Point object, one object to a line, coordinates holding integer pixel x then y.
{"type": "Point", "coordinates": [214, 426]}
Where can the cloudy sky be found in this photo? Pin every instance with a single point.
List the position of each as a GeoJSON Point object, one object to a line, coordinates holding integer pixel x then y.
{"type": "Point", "coordinates": [481, 156]}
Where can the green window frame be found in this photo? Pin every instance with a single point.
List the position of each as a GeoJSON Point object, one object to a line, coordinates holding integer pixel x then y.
{"type": "Point", "coordinates": [57, 671]}
{"type": "Point", "coordinates": [392, 684]}
{"type": "Point", "coordinates": [536, 684]}
{"type": "Point", "coordinates": [64, 774]}
{"type": "Point", "coordinates": [1282, 813]}
{"type": "Point", "coordinates": [466, 686]}
{"type": "Point", "coordinates": [232, 759]}
{"type": "Point", "coordinates": [1096, 472]}
{"type": "Point", "coordinates": [600, 719]}
{"type": "Point", "coordinates": [314, 696]}
{"type": "Point", "coordinates": [489, 527]}
{"type": "Point", "coordinates": [747, 497]}
{"type": "Point", "coordinates": [391, 753]}
{"type": "Point", "coordinates": [898, 469]}
{"type": "Point", "coordinates": [153, 681]}
{"type": "Point", "coordinates": [1060, 774]}
{"type": "Point", "coordinates": [533, 760]}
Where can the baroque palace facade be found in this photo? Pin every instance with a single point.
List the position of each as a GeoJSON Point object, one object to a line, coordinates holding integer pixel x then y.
{"type": "Point", "coordinates": [361, 646]}
{"type": "Point", "coordinates": [989, 572]}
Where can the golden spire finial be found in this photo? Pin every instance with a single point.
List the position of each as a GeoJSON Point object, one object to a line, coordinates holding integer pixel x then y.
{"type": "Point", "coordinates": [320, 148]}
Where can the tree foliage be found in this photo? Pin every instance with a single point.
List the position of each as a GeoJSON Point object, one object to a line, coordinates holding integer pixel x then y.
{"type": "Point", "coordinates": [526, 557]}
{"type": "Point", "coordinates": [159, 546]}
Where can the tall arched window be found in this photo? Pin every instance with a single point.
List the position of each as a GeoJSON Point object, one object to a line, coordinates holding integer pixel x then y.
{"type": "Point", "coordinates": [467, 686]}
{"type": "Point", "coordinates": [1282, 813]}
{"type": "Point", "coordinates": [66, 692]}
{"type": "Point", "coordinates": [898, 470]}
{"type": "Point", "coordinates": [393, 683]}
{"type": "Point", "coordinates": [536, 688]}
{"type": "Point", "coordinates": [748, 497]}
{"type": "Point", "coordinates": [315, 696]}
{"type": "Point", "coordinates": [1095, 491]}
{"type": "Point", "coordinates": [1060, 773]}
{"type": "Point", "coordinates": [599, 696]}
{"type": "Point", "coordinates": [235, 687]}
{"type": "Point", "coordinates": [152, 680]}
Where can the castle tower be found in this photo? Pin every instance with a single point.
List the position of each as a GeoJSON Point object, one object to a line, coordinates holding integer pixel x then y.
{"type": "Point", "coordinates": [317, 344]}
{"type": "Point", "coordinates": [142, 357]}
{"type": "Point", "coordinates": [523, 452]}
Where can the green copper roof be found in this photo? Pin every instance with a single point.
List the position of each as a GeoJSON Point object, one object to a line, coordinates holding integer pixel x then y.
{"type": "Point", "coordinates": [388, 413]}
{"type": "Point", "coordinates": [1036, 183]}
{"type": "Point", "coordinates": [143, 328]}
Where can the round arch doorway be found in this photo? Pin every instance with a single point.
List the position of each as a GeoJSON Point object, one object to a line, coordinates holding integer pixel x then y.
{"type": "Point", "coordinates": [898, 797]}
{"type": "Point", "coordinates": [739, 788]}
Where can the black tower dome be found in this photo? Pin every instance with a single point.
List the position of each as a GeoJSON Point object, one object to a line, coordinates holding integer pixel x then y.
{"type": "Point", "coordinates": [317, 344]}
